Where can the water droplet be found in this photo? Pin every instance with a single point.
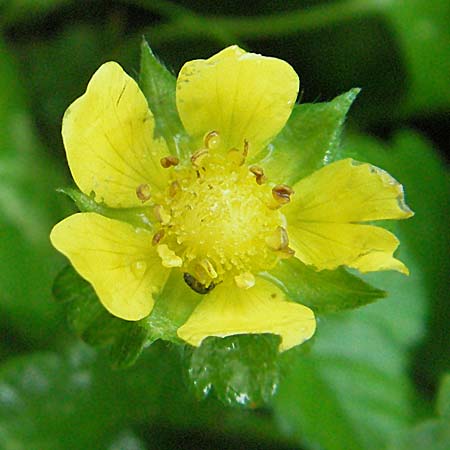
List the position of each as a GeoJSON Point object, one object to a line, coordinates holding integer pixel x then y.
{"type": "Point", "coordinates": [138, 268]}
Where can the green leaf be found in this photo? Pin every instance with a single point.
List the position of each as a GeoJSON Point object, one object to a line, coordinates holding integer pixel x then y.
{"type": "Point", "coordinates": [239, 370]}
{"type": "Point", "coordinates": [443, 400]}
{"type": "Point", "coordinates": [128, 345]}
{"type": "Point", "coordinates": [67, 286]}
{"type": "Point", "coordinates": [364, 356]}
{"type": "Point", "coordinates": [158, 86]}
{"type": "Point", "coordinates": [421, 27]}
{"type": "Point", "coordinates": [139, 217]}
{"type": "Point", "coordinates": [325, 291]}
{"type": "Point", "coordinates": [28, 208]}
{"type": "Point", "coordinates": [74, 401]}
{"type": "Point", "coordinates": [310, 136]}
{"type": "Point", "coordinates": [88, 318]}
{"type": "Point", "coordinates": [24, 10]}
{"type": "Point", "coordinates": [431, 434]}
{"type": "Point", "coordinates": [316, 413]}
{"type": "Point", "coordinates": [355, 381]}
{"type": "Point", "coordinates": [413, 161]}
{"type": "Point", "coordinates": [173, 306]}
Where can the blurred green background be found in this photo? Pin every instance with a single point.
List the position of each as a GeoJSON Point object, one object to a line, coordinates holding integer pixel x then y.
{"type": "Point", "coordinates": [372, 377]}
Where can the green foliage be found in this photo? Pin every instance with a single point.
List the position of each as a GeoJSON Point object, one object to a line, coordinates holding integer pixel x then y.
{"type": "Point", "coordinates": [72, 400]}
{"type": "Point", "coordinates": [413, 162]}
{"type": "Point", "coordinates": [158, 85]}
{"type": "Point", "coordinates": [421, 27]}
{"type": "Point", "coordinates": [349, 387]}
{"type": "Point", "coordinates": [325, 291]}
{"type": "Point", "coordinates": [240, 370]}
{"type": "Point", "coordinates": [88, 318]}
{"type": "Point", "coordinates": [352, 391]}
{"type": "Point", "coordinates": [433, 433]}
{"type": "Point", "coordinates": [173, 306]}
{"type": "Point", "coordinates": [443, 400]}
{"type": "Point", "coordinates": [28, 210]}
{"type": "Point", "coordinates": [311, 135]}
{"type": "Point", "coordinates": [139, 217]}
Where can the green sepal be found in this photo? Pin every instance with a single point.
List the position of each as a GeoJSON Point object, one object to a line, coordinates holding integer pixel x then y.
{"type": "Point", "coordinates": [323, 291]}
{"type": "Point", "coordinates": [88, 319]}
{"type": "Point", "coordinates": [138, 217]}
{"type": "Point", "coordinates": [309, 139]}
{"type": "Point", "coordinates": [128, 345]}
{"type": "Point", "coordinates": [159, 85]}
{"type": "Point", "coordinates": [239, 370]}
{"type": "Point", "coordinates": [173, 306]}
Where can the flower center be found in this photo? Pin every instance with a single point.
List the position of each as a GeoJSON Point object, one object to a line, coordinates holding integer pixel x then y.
{"type": "Point", "coordinates": [219, 219]}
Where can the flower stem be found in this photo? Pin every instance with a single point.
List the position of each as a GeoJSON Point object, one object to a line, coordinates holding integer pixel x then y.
{"type": "Point", "coordinates": [186, 23]}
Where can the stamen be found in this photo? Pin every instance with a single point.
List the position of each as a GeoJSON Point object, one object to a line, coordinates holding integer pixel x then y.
{"type": "Point", "coordinates": [282, 194]}
{"type": "Point", "coordinates": [143, 192]}
{"type": "Point", "coordinates": [245, 280]}
{"type": "Point", "coordinates": [158, 236]}
{"type": "Point", "coordinates": [168, 257]}
{"type": "Point", "coordinates": [245, 153]}
{"type": "Point", "coordinates": [169, 161]}
{"type": "Point", "coordinates": [286, 253]}
{"type": "Point", "coordinates": [278, 240]}
{"type": "Point", "coordinates": [174, 188]}
{"type": "Point", "coordinates": [212, 140]}
{"type": "Point", "coordinates": [199, 156]}
{"type": "Point", "coordinates": [162, 215]}
{"type": "Point", "coordinates": [259, 174]}
{"type": "Point", "coordinates": [237, 156]}
{"type": "Point", "coordinates": [205, 267]}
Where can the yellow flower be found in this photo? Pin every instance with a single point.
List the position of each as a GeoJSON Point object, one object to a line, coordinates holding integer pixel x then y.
{"type": "Point", "coordinates": [210, 218]}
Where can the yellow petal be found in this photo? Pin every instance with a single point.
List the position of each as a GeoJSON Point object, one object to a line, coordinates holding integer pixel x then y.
{"type": "Point", "coordinates": [325, 207]}
{"type": "Point", "coordinates": [117, 259]}
{"type": "Point", "coordinates": [240, 95]}
{"type": "Point", "coordinates": [348, 191]}
{"type": "Point", "coordinates": [228, 310]}
{"type": "Point", "coordinates": [108, 136]}
{"type": "Point", "coordinates": [330, 245]}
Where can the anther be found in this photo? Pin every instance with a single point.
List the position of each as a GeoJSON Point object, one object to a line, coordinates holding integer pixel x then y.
{"type": "Point", "coordinates": [278, 240]}
{"type": "Point", "coordinates": [158, 236]}
{"type": "Point", "coordinates": [212, 140]}
{"type": "Point", "coordinates": [169, 161]}
{"type": "Point", "coordinates": [205, 266]}
{"type": "Point", "coordinates": [259, 174]}
{"type": "Point", "coordinates": [143, 192]}
{"type": "Point", "coordinates": [286, 253]}
{"type": "Point", "coordinates": [199, 156]}
{"type": "Point", "coordinates": [245, 152]}
{"type": "Point", "coordinates": [174, 188]}
{"type": "Point", "coordinates": [162, 215]}
{"type": "Point", "coordinates": [237, 156]}
{"type": "Point", "coordinates": [282, 194]}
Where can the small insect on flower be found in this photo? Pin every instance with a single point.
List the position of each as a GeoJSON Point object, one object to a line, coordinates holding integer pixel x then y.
{"type": "Point", "coordinates": [196, 286]}
{"type": "Point", "coordinates": [218, 217]}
